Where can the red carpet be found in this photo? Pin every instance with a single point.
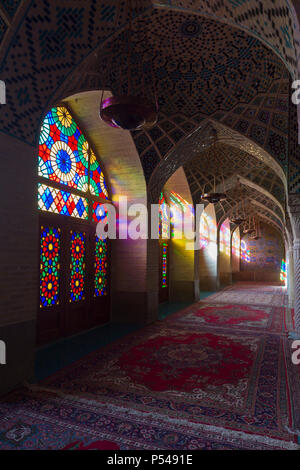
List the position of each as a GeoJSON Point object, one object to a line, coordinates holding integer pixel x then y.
{"type": "Point", "coordinates": [209, 377]}
{"type": "Point", "coordinates": [245, 293]}
{"type": "Point", "coordinates": [237, 317]}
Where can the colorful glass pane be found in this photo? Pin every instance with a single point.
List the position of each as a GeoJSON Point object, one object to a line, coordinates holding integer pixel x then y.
{"type": "Point", "coordinates": [62, 202]}
{"type": "Point", "coordinates": [49, 266]}
{"type": "Point", "coordinates": [63, 150]}
{"type": "Point", "coordinates": [164, 269]}
{"type": "Point", "coordinates": [164, 218]}
{"type": "Point", "coordinates": [101, 268]}
{"type": "Point", "coordinates": [97, 181]}
{"type": "Point", "coordinates": [77, 266]}
{"type": "Point", "coordinates": [99, 213]}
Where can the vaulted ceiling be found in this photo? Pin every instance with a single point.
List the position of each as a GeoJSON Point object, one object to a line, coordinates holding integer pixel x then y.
{"type": "Point", "coordinates": [199, 68]}
{"type": "Point", "coordinates": [242, 176]}
{"type": "Point", "coordinates": [215, 65]}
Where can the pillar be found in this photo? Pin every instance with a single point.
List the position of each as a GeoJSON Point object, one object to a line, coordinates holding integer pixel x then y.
{"type": "Point", "coordinates": [290, 276]}
{"type": "Point", "coordinates": [294, 209]}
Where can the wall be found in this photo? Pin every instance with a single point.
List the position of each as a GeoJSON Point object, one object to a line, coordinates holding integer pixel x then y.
{"type": "Point", "coordinates": [209, 253]}
{"type": "Point", "coordinates": [18, 260]}
{"type": "Point", "coordinates": [122, 165]}
{"type": "Point", "coordinates": [261, 259]}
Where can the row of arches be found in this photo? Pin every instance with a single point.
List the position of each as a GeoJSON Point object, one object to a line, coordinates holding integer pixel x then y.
{"type": "Point", "coordinates": [84, 279]}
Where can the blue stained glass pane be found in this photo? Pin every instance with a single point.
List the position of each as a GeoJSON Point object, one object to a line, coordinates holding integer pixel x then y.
{"type": "Point", "coordinates": [49, 142]}
{"type": "Point", "coordinates": [80, 207]}
{"type": "Point", "coordinates": [65, 195]}
{"type": "Point", "coordinates": [64, 138]}
{"type": "Point", "coordinates": [77, 134]}
{"type": "Point", "coordinates": [50, 118]}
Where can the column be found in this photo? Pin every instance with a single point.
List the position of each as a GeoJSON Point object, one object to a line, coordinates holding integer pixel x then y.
{"type": "Point", "coordinates": [297, 284]}
{"type": "Point", "coordinates": [294, 210]}
{"type": "Point", "coordinates": [290, 276]}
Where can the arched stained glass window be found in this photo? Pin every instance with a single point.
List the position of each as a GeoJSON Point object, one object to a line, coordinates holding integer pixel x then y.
{"type": "Point", "coordinates": [66, 158]}
{"type": "Point", "coordinates": [72, 199]}
{"type": "Point", "coordinates": [97, 181]}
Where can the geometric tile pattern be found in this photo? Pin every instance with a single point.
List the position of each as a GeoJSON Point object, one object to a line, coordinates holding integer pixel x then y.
{"type": "Point", "coordinates": [51, 40]}
{"type": "Point", "coordinates": [271, 22]}
{"type": "Point", "coordinates": [260, 203]}
{"type": "Point", "coordinates": [195, 80]}
{"type": "Point", "coordinates": [10, 7]}
{"type": "Point", "coordinates": [223, 161]}
{"type": "Point", "coordinates": [203, 68]}
{"type": "Point", "coordinates": [294, 151]}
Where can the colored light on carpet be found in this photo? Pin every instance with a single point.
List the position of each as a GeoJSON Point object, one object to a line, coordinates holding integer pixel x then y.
{"type": "Point", "coordinates": [172, 385]}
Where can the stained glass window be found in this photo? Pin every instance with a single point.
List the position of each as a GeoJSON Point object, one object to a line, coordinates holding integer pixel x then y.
{"type": "Point", "coordinates": [71, 183]}
{"type": "Point", "coordinates": [65, 155]}
{"type": "Point", "coordinates": [49, 266]}
{"type": "Point", "coordinates": [99, 212]}
{"type": "Point", "coordinates": [63, 150]}
{"type": "Point", "coordinates": [101, 268]}
{"type": "Point", "coordinates": [164, 273]}
{"type": "Point", "coordinates": [97, 181]}
{"type": "Point", "coordinates": [164, 218]}
{"type": "Point", "coordinates": [77, 266]}
{"type": "Point", "coordinates": [62, 202]}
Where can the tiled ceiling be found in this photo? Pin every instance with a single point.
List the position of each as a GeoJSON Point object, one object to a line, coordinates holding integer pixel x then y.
{"type": "Point", "coordinates": [204, 69]}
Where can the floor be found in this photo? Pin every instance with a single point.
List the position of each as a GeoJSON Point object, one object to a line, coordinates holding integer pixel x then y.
{"type": "Point", "coordinates": [62, 353]}
{"type": "Point", "coordinates": [216, 374]}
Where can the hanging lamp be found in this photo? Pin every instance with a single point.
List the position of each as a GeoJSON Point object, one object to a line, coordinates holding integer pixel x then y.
{"type": "Point", "coordinates": [248, 230]}
{"type": "Point", "coordinates": [257, 234]}
{"type": "Point", "coordinates": [236, 218]}
{"type": "Point", "coordinates": [215, 197]}
{"type": "Point", "coordinates": [129, 111]}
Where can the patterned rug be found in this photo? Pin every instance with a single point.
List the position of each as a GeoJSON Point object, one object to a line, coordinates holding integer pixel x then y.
{"type": "Point", "coordinates": [212, 376]}
{"type": "Point", "coordinates": [237, 317]}
{"type": "Point", "coordinates": [247, 294]}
